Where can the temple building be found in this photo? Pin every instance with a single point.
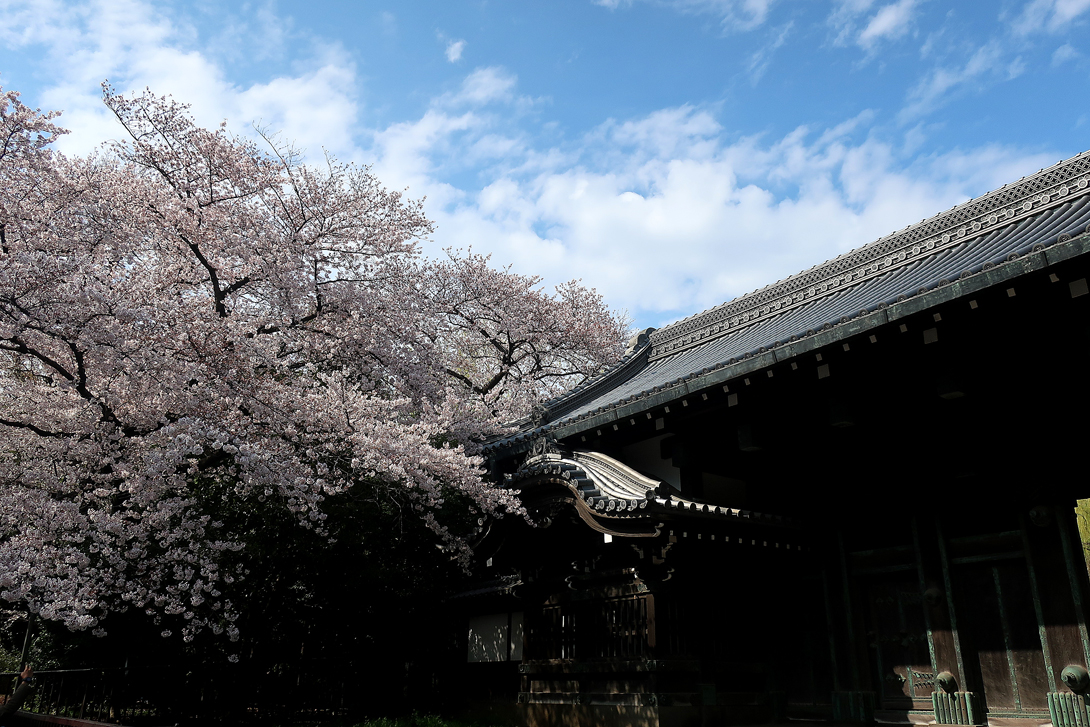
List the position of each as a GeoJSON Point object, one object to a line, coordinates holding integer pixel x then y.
{"type": "Point", "coordinates": [845, 497]}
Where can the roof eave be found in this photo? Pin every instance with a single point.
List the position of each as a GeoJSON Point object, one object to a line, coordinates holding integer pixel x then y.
{"type": "Point", "coordinates": [1031, 262]}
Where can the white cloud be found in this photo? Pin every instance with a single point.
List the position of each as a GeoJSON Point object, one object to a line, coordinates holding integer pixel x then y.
{"type": "Point", "coordinates": [759, 61]}
{"type": "Point", "coordinates": [454, 50]}
{"type": "Point", "coordinates": [1048, 15]}
{"type": "Point", "coordinates": [485, 85]}
{"type": "Point", "coordinates": [132, 45]}
{"type": "Point", "coordinates": [856, 25]}
{"type": "Point", "coordinates": [668, 213]}
{"type": "Point", "coordinates": [987, 61]}
{"type": "Point", "coordinates": [1065, 53]}
{"type": "Point", "coordinates": [734, 14]}
{"type": "Point", "coordinates": [890, 22]}
{"type": "Point", "coordinates": [388, 23]}
{"type": "Point", "coordinates": [258, 34]}
{"type": "Point", "coordinates": [664, 213]}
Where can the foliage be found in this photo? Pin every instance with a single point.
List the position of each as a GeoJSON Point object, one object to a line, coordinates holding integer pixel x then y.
{"type": "Point", "coordinates": [1082, 517]}
{"type": "Point", "coordinates": [204, 345]}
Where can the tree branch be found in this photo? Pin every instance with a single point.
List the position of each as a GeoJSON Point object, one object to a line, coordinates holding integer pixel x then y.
{"type": "Point", "coordinates": [37, 430]}
{"type": "Point", "coordinates": [20, 346]}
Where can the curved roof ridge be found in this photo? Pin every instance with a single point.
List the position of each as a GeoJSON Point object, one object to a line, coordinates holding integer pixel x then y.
{"type": "Point", "coordinates": [976, 217]}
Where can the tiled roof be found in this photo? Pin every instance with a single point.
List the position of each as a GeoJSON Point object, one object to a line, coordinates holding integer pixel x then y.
{"type": "Point", "coordinates": [1030, 215]}
{"type": "Point", "coordinates": [963, 239]}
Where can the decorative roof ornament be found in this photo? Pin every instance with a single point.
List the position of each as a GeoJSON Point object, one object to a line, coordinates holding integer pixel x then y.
{"type": "Point", "coordinates": [539, 415]}
{"type": "Point", "coordinates": [544, 445]}
{"type": "Point", "coordinates": [638, 341]}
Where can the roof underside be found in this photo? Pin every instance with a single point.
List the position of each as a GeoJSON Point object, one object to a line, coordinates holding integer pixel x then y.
{"type": "Point", "coordinates": [1034, 213]}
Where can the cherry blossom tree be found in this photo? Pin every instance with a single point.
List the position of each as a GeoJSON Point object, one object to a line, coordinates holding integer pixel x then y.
{"type": "Point", "coordinates": [191, 321]}
{"type": "Point", "coordinates": [509, 344]}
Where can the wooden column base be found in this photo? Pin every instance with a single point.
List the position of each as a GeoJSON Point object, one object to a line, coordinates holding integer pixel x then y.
{"type": "Point", "coordinates": [1067, 709]}
{"type": "Point", "coordinates": [853, 707]}
{"type": "Point", "coordinates": [958, 708]}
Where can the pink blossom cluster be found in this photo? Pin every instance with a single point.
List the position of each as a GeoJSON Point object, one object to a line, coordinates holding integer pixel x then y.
{"type": "Point", "coordinates": [189, 319]}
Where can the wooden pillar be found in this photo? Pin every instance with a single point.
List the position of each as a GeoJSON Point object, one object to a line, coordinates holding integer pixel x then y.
{"type": "Point", "coordinates": [1035, 593]}
{"type": "Point", "coordinates": [928, 608]}
{"type": "Point", "coordinates": [832, 629]}
{"type": "Point", "coordinates": [849, 616]}
{"type": "Point", "coordinates": [1061, 618]}
{"type": "Point", "coordinates": [1076, 572]}
{"type": "Point", "coordinates": [652, 627]}
{"type": "Point", "coordinates": [948, 587]}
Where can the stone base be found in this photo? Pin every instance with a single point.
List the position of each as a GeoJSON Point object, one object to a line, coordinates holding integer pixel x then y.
{"type": "Point", "coordinates": [632, 715]}
{"type": "Point", "coordinates": [26, 719]}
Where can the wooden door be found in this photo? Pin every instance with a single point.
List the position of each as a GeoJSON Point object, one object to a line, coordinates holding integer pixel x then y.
{"type": "Point", "coordinates": [898, 640]}
{"type": "Point", "coordinates": [1000, 638]}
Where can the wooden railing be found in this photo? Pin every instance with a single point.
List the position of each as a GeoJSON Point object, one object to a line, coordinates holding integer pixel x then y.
{"type": "Point", "coordinates": [157, 695]}
{"type": "Point", "coordinates": [81, 693]}
{"type": "Point", "coordinates": [593, 629]}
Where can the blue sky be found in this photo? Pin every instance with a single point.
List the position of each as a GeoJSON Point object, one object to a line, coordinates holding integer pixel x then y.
{"type": "Point", "coordinates": [671, 153]}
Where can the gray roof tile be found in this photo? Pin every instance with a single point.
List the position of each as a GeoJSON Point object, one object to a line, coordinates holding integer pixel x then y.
{"type": "Point", "coordinates": [1034, 213]}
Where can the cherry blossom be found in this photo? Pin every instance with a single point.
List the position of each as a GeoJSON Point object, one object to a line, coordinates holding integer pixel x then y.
{"type": "Point", "coordinates": [189, 318]}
